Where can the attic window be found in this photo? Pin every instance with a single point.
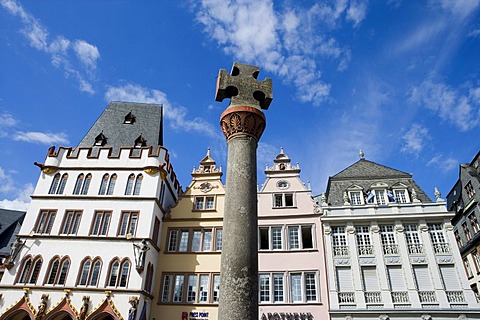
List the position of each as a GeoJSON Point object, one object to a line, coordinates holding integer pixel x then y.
{"type": "Point", "coordinates": [129, 118]}
{"type": "Point", "coordinates": [140, 142]}
{"type": "Point", "coordinates": [100, 140]}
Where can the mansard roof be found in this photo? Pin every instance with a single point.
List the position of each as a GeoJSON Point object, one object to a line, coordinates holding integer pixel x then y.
{"type": "Point", "coordinates": [122, 123]}
{"type": "Point", "coordinates": [10, 223]}
{"type": "Point", "coordinates": [365, 174]}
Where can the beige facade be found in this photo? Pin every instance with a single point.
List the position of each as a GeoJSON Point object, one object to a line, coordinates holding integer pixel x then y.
{"type": "Point", "coordinates": [187, 281]}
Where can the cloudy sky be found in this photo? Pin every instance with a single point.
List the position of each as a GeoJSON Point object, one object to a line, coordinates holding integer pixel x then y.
{"type": "Point", "coordinates": [397, 79]}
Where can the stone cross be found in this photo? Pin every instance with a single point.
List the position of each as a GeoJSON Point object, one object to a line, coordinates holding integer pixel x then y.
{"type": "Point", "coordinates": [243, 88]}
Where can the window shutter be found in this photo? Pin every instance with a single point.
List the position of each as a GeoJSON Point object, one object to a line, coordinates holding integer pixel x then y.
{"type": "Point", "coordinates": [450, 277]}
{"type": "Point", "coordinates": [423, 278]}
{"type": "Point", "coordinates": [370, 279]}
{"type": "Point", "coordinates": [344, 279]}
{"type": "Point", "coordinates": [397, 278]}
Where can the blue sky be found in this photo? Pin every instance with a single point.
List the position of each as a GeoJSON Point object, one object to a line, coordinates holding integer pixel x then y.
{"type": "Point", "coordinates": [398, 79]}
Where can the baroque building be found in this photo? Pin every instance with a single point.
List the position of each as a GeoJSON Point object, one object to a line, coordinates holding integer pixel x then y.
{"type": "Point", "coordinates": [464, 200]}
{"type": "Point", "coordinates": [89, 244]}
{"type": "Point", "coordinates": [390, 250]}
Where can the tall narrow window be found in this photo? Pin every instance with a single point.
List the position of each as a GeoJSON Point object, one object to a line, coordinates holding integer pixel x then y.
{"type": "Point", "coordinates": [218, 239]}
{"type": "Point", "coordinates": [84, 272]}
{"type": "Point", "coordinates": [364, 244]}
{"type": "Point", "coordinates": [124, 274]}
{"type": "Point", "coordinates": [339, 241]}
{"type": "Point", "coordinates": [389, 244]}
{"type": "Point", "coordinates": [437, 237]}
{"type": "Point", "coordinates": [183, 245]}
{"type": "Point", "coordinates": [111, 184]}
{"type": "Point", "coordinates": [296, 287]}
{"type": "Point", "coordinates": [178, 289]}
{"type": "Point", "coordinates": [413, 239]}
{"type": "Point", "coordinates": [172, 240]}
{"type": "Point", "coordinates": [53, 271]}
{"type": "Point", "coordinates": [54, 185]}
{"type": "Point", "coordinates": [62, 183]}
{"type": "Point", "coordinates": [37, 265]}
{"type": "Point", "coordinates": [278, 290]}
{"type": "Point", "coordinates": [203, 288]}
{"type": "Point", "coordinates": [310, 287]}
{"type": "Point", "coordinates": [216, 287]}
{"type": "Point", "coordinates": [293, 237]}
{"type": "Point", "coordinates": [95, 273]}
{"type": "Point", "coordinates": [207, 240]}
{"type": "Point", "coordinates": [380, 197]}
{"type": "Point", "coordinates": [86, 184]}
{"type": "Point", "coordinates": [167, 287]}
{"type": "Point", "coordinates": [196, 240]}
{"type": "Point", "coordinates": [138, 185]}
{"type": "Point", "coordinates": [129, 188]}
{"type": "Point", "coordinates": [156, 231]}
{"type": "Point", "coordinates": [264, 287]}
{"type": "Point", "coordinates": [79, 184]}
{"type": "Point", "coordinates": [112, 282]}
{"type": "Point", "coordinates": [103, 185]}
{"type": "Point", "coordinates": [63, 272]}
{"type": "Point", "coordinates": [192, 288]}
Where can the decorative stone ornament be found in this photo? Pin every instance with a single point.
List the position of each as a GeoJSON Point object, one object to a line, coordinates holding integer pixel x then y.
{"type": "Point", "coordinates": [242, 121]}
{"type": "Point", "coordinates": [42, 307]}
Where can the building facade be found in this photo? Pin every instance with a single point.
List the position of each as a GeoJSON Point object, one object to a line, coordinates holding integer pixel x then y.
{"type": "Point", "coordinates": [10, 223]}
{"type": "Point", "coordinates": [292, 274]}
{"type": "Point", "coordinates": [188, 275]}
{"type": "Point", "coordinates": [89, 245]}
{"type": "Point", "coordinates": [390, 250]}
{"type": "Point", "coordinates": [464, 200]}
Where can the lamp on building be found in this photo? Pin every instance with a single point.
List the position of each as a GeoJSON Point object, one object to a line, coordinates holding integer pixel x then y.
{"type": "Point", "coordinates": [15, 249]}
{"type": "Point", "coordinates": [140, 253]}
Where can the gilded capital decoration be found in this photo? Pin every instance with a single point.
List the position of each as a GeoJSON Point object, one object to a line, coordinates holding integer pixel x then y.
{"type": "Point", "coordinates": [242, 120]}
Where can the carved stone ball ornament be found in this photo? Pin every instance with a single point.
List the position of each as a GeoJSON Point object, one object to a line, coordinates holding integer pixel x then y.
{"type": "Point", "coordinates": [242, 120]}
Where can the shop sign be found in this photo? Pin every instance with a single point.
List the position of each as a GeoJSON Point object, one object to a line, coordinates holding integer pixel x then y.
{"type": "Point", "coordinates": [194, 315]}
{"type": "Point", "coordinates": [287, 316]}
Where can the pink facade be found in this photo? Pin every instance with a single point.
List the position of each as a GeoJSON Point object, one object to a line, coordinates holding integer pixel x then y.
{"type": "Point", "coordinates": [292, 276]}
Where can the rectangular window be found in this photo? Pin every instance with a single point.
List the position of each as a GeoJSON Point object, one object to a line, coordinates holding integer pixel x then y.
{"type": "Point", "coordinates": [400, 195]}
{"type": "Point", "coordinates": [271, 238]}
{"type": "Point", "coordinates": [339, 241]}
{"type": "Point", "coordinates": [264, 287]}
{"type": "Point", "coordinates": [101, 222]}
{"type": "Point", "coordinates": [472, 218]}
{"type": "Point", "coordinates": [355, 197]}
{"type": "Point", "coordinates": [364, 245]}
{"type": "Point", "coordinates": [218, 240]}
{"type": "Point", "coordinates": [458, 239]}
{"type": "Point", "coordinates": [128, 223]}
{"type": "Point", "coordinates": [207, 240]}
{"type": "Point", "coordinates": [300, 237]}
{"type": "Point", "coordinates": [310, 287]}
{"type": "Point", "coordinates": [216, 287]}
{"type": "Point", "coordinates": [283, 200]}
{"type": "Point", "coordinates": [468, 270]}
{"type": "Point", "coordinates": [204, 203]}
{"type": "Point", "coordinates": [466, 231]}
{"type": "Point", "coordinates": [178, 289]}
{"type": "Point", "coordinates": [183, 246]}
{"type": "Point", "coordinates": [264, 238]}
{"type": "Point", "coordinates": [469, 190]}
{"type": "Point", "coordinates": [71, 222]}
{"type": "Point", "coordinates": [278, 290]}
{"type": "Point", "coordinates": [196, 240]}
{"type": "Point", "coordinates": [296, 287]}
{"type": "Point", "coordinates": [293, 238]}
{"type": "Point", "coordinates": [380, 197]}
{"type": "Point", "coordinates": [276, 238]}
{"type": "Point", "coordinates": [476, 261]}
{"type": "Point", "coordinates": [389, 244]}
{"type": "Point", "coordinates": [172, 240]}
{"type": "Point", "coordinates": [303, 287]}
{"type": "Point", "coordinates": [156, 231]}
{"type": "Point", "coordinates": [45, 221]}
{"type": "Point", "coordinates": [203, 288]}
{"type": "Point", "coordinates": [192, 288]}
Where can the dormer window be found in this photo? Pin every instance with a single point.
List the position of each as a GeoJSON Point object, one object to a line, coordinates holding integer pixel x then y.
{"type": "Point", "coordinates": [129, 118]}
{"type": "Point", "coordinates": [469, 190]}
{"type": "Point", "coordinates": [400, 193]}
{"type": "Point", "coordinates": [140, 142]}
{"type": "Point", "coordinates": [355, 195]}
{"type": "Point", "coordinates": [100, 140]}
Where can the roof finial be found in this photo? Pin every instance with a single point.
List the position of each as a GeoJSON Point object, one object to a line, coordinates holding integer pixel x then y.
{"type": "Point", "coordinates": [281, 150]}
{"type": "Point", "coordinates": [208, 152]}
{"type": "Point", "coordinates": [361, 154]}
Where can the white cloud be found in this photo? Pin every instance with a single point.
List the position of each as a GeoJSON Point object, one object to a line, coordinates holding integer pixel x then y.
{"type": "Point", "coordinates": [41, 137]}
{"type": "Point", "coordinates": [7, 120]}
{"type": "Point", "coordinates": [87, 53]}
{"type": "Point", "coordinates": [474, 33]}
{"type": "Point", "coordinates": [453, 105]}
{"type": "Point", "coordinates": [59, 48]}
{"type": "Point", "coordinates": [288, 43]}
{"type": "Point", "coordinates": [22, 200]}
{"type": "Point", "coordinates": [459, 8]}
{"type": "Point", "coordinates": [415, 139]}
{"type": "Point", "coordinates": [176, 114]}
{"type": "Point", "coordinates": [442, 163]}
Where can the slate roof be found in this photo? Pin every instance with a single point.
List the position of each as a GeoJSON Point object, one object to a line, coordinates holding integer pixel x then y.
{"type": "Point", "coordinates": [364, 173]}
{"type": "Point", "coordinates": [148, 123]}
{"type": "Point", "coordinates": [10, 223]}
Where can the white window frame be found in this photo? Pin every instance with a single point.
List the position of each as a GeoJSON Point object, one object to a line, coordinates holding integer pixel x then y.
{"type": "Point", "coordinates": [204, 203]}
{"type": "Point", "coordinates": [293, 287]}
{"type": "Point", "coordinates": [284, 200]}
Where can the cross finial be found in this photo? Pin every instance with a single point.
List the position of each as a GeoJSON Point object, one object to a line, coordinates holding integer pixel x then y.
{"type": "Point", "coordinates": [243, 88]}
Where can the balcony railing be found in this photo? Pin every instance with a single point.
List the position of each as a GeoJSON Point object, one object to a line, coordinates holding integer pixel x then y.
{"type": "Point", "coordinates": [365, 250]}
{"type": "Point", "coordinates": [400, 297]}
{"type": "Point", "coordinates": [427, 296]}
{"type": "Point", "coordinates": [455, 296]}
{"type": "Point", "coordinates": [415, 248]}
{"type": "Point", "coordinates": [441, 248]}
{"type": "Point", "coordinates": [373, 297]}
{"type": "Point", "coordinates": [346, 297]}
{"type": "Point", "coordinates": [390, 249]}
{"type": "Point", "coordinates": [340, 251]}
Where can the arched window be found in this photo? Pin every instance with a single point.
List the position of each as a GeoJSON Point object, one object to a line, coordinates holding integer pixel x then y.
{"type": "Point", "coordinates": [97, 264]}
{"type": "Point", "coordinates": [119, 273]}
{"type": "Point", "coordinates": [138, 185]}
{"type": "Point", "coordinates": [30, 270]}
{"type": "Point", "coordinates": [84, 272]}
{"type": "Point", "coordinates": [53, 271]}
{"type": "Point", "coordinates": [78, 184]}
{"type": "Point", "coordinates": [103, 185]}
{"type": "Point", "coordinates": [63, 182]}
{"type": "Point", "coordinates": [54, 185]}
{"type": "Point", "coordinates": [58, 271]}
{"type": "Point", "coordinates": [128, 189]}
{"type": "Point", "coordinates": [111, 184]}
{"type": "Point", "coordinates": [62, 277]}
{"type": "Point", "coordinates": [86, 184]}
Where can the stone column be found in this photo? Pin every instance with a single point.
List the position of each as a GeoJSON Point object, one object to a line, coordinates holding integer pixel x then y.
{"type": "Point", "coordinates": [242, 123]}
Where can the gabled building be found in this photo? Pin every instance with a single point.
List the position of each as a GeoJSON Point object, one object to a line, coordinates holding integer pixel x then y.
{"type": "Point", "coordinates": [464, 199]}
{"type": "Point", "coordinates": [188, 273]}
{"type": "Point", "coordinates": [10, 223]}
{"type": "Point", "coordinates": [292, 274]}
{"type": "Point", "coordinates": [89, 244]}
{"type": "Point", "coordinates": [390, 250]}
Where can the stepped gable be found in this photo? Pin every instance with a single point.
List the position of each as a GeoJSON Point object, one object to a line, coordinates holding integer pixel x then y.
{"type": "Point", "coordinates": [364, 173]}
{"type": "Point", "coordinates": [126, 124]}
{"type": "Point", "coordinates": [10, 223]}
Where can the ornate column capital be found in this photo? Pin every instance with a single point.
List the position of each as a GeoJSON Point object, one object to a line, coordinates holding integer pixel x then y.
{"type": "Point", "coordinates": [242, 120]}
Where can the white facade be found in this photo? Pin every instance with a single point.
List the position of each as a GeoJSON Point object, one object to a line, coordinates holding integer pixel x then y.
{"type": "Point", "coordinates": [83, 238]}
{"type": "Point", "coordinates": [390, 253]}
